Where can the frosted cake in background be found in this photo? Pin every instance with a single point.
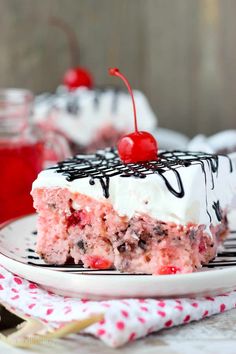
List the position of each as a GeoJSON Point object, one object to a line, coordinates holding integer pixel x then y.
{"type": "Point", "coordinates": [222, 142]}
{"type": "Point", "coordinates": [92, 119]}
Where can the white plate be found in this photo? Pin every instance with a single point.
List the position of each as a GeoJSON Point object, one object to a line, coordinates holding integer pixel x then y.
{"type": "Point", "coordinates": [17, 242]}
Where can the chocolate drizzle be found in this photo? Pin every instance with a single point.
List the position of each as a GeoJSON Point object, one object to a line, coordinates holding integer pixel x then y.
{"type": "Point", "coordinates": [218, 211]}
{"type": "Point", "coordinates": [106, 164]}
{"type": "Point", "coordinates": [72, 106]}
{"type": "Point", "coordinates": [101, 90]}
{"type": "Point", "coordinates": [96, 101]}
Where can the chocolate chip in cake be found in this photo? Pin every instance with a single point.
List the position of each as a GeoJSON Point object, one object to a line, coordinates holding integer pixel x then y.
{"type": "Point", "coordinates": [160, 231]}
{"type": "Point", "coordinates": [52, 205]}
{"type": "Point", "coordinates": [122, 248]}
{"type": "Point", "coordinates": [82, 245]}
{"type": "Point", "coordinates": [142, 244]}
{"type": "Point", "coordinates": [225, 220]}
{"type": "Point", "coordinates": [191, 234]}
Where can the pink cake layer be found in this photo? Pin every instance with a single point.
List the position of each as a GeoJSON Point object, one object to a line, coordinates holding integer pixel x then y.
{"type": "Point", "coordinates": [97, 236]}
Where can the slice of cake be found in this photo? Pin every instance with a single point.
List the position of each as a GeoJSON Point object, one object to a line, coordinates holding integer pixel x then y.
{"type": "Point", "coordinates": [158, 217]}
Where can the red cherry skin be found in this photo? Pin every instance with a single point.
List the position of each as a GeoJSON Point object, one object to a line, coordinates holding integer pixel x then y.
{"type": "Point", "coordinates": [77, 77]}
{"type": "Point", "coordinates": [137, 147]}
{"type": "Point", "coordinates": [97, 262]}
{"type": "Point", "coordinates": [166, 270]}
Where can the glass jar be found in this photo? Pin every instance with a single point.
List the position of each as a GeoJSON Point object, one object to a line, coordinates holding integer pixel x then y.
{"type": "Point", "coordinates": [24, 151]}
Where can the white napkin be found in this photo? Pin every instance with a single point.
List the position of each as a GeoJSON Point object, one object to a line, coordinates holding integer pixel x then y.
{"type": "Point", "coordinates": [124, 320]}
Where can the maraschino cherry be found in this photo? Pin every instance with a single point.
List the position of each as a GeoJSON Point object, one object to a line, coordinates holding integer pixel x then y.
{"type": "Point", "coordinates": [139, 146]}
{"type": "Point", "coordinates": [76, 76]}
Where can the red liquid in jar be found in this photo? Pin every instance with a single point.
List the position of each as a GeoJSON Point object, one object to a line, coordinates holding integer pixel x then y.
{"type": "Point", "coordinates": [20, 163]}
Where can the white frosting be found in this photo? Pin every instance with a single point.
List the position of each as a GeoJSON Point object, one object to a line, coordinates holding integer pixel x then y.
{"type": "Point", "coordinates": [170, 140]}
{"type": "Point", "coordinates": [200, 143]}
{"type": "Point", "coordinates": [150, 195]}
{"type": "Point", "coordinates": [81, 127]}
{"type": "Point", "coordinates": [220, 141]}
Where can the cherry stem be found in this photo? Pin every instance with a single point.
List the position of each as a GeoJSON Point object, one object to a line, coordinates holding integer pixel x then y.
{"type": "Point", "coordinates": [116, 72]}
{"type": "Point", "coordinates": [71, 36]}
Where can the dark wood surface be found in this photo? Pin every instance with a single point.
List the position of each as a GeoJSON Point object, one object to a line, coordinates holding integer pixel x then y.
{"type": "Point", "coordinates": [181, 53]}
